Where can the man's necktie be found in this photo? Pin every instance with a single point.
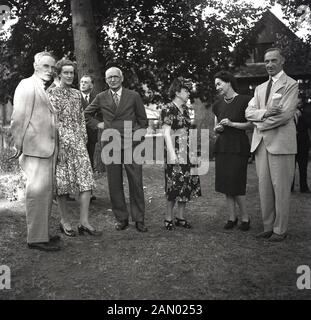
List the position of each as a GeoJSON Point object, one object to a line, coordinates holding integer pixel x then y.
{"type": "Point", "coordinates": [87, 99]}
{"type": "Point", "coordinates": [268, 90]}
{"type": "Point", "coordinates": [116, 98]}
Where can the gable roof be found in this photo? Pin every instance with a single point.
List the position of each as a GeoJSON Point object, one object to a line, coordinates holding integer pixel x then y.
{"type": "Point", "coordinates": [267, 29]}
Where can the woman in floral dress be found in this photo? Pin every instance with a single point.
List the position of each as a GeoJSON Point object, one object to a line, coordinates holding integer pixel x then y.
{"type": "Point", "coordinates": [73, 168]}
{"type": "Point", "coordinates": [180, 185]}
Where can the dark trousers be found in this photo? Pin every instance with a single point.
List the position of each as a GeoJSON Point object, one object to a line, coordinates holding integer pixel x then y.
{"type": "Point", "coordinates": [91, 150]}
{"type": "Point", "coordinates": [303, 145]}
{"type": "Point", "coordinates": [115, 184]}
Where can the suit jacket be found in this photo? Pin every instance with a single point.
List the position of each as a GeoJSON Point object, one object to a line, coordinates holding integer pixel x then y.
{"type": "Point", "coordinates": [130, 108]}
{"type": "Point", "coordinates": [278, 132]}
{"type": "Point", "coordinates": [33, 119]}
{"type": "Point", "coordinates": [92, 134]}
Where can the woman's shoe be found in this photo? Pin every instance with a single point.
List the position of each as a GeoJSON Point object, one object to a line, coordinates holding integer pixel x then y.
{"type": "Point", "coordinates": [245, 225]}
{"type": "Point", "coordinates": [182, 223]}
{"type": "Point", "coordinates": [231, 224]}
{"type": "Point", "coordinates": [82, 229]}
{"type": "Point", "coordinates": [168, 225]}
{"type": "Point", "coordinates": [67, 232]}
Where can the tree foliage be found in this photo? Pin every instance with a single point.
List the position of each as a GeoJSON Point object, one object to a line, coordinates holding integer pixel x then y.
{"type": "Point", "coordinates": [152, 41]}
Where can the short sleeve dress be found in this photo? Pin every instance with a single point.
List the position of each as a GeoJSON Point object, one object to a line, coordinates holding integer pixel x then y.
{"type": "Point", "coordinates": [232, 148]}
{"type": "Point", "coordinates": [74, 173]}
{"type": "Point", "coordinates": [180, 185]}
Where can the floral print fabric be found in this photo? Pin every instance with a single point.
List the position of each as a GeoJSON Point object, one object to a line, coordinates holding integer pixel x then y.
{"type": "Point", "coordinates": [180, 185]}
{"type": "Point", "coordinates": [74, 172]}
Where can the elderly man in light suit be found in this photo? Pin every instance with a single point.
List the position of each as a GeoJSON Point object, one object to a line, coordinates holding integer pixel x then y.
{"type": "Point", "coordinates": [33, 129]}
{"type": "Point", "coordinates": [272, 112]}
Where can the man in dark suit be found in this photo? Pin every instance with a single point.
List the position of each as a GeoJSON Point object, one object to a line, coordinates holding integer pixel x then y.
{"type": "Point", "coordinates": [118, 107]}
{"type": "Point", "coordinates": [86, 88]}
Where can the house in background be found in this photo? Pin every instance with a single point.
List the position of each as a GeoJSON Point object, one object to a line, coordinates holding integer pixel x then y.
{"type": "Point", "coordinates": [268, 29]}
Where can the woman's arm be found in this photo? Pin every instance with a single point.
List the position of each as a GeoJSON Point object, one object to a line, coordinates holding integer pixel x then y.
{"type": "Point", "coordinates": [238, 125]}
{"type": "Point", "coordinates": [172, 157]}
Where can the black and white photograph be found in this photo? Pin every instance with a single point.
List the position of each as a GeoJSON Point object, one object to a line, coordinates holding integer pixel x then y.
{"type": "Point", "coordinates": [155, 151]}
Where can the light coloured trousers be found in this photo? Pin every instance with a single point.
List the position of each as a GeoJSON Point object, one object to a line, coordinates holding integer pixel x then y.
{"type": "Point", "coordinates": [40, 174]}
{"type": "Point", "coordinates": [275, 173]}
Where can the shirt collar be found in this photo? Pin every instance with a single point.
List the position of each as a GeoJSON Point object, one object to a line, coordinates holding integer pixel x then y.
{"type": "Point", "coordinates": [85, 95]}
{"type": "Point", "coordinates": [276, 77]}
{"type": "Point", "coordinates": [119, 92]}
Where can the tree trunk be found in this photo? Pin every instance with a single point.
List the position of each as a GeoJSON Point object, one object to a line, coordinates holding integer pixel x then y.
{"type": "Point", "coordinates": [84, 35]}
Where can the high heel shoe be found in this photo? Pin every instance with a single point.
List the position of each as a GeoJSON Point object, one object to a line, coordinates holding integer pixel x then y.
{"type": "Point", "coordinates": [67, 232]}
{"type": "Point", "coordinates": [168, 225]}
{"type": "Point", "coordinates": [82, 229]}
{"type": "Point", "coordinates": [182, 223]}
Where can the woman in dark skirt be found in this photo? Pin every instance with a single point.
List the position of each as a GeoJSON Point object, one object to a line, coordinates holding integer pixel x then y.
{"type": "Point", "coordinates": [232, 147]}
{"type": "Point", "coordinates": [180, 185]}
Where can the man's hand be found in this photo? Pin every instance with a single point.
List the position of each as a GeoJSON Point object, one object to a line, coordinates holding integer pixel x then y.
{"type": "Point", "coordinates": [273, 111]}
{"type": "Point", "coordinates": [101, 125]}
{"type": "Point", "coordinates": [16, 155]}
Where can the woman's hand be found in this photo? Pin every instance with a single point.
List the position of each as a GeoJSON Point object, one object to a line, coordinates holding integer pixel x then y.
{"type": "Point", "coordinates": [172, 158]}
{"type": "Point", "coordinates": [219, 128]}
{"type": "Point", "coordinates": [226, 122]}
{"type": "Point", "coordinates": [61, 155]}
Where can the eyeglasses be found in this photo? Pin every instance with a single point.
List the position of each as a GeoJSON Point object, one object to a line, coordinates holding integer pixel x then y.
{"type": "Point", "coordinates": [113, 78]}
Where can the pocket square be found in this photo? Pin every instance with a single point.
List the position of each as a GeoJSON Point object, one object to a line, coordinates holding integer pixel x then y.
{"type": "Point", "coordinates": [276, 96]}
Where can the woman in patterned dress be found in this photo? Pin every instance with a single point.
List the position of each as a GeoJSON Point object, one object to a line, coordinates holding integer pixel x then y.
{"type": "Point", "coordinates": [232, 147]}
{"type": "Point", "coordinates": [73, 168]}
{"type": "Point", "coordinates": [180, 185]}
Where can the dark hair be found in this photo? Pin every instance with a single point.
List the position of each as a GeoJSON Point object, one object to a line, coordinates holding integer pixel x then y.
{"type": "Point", "coordinates": [178, 84]}
{"type": "Point", "coordinates": [275, 49]}
{"type": "Point", "coordinates": [227, 77]}
{"type": "Point", "coordinates": [64, 62]}
{"type": "Point", "coordinates": [88, 76]}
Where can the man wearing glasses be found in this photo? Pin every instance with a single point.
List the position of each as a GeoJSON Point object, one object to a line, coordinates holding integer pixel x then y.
{"type": "Point", "coordinates": [118, 107]}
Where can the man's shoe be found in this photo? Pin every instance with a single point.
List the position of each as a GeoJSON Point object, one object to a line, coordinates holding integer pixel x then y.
{"type": "Point", "coordinates": [245, 225]}
{"type": "Point", "coordinates": [122, 225]}
{"type": "Point", "coordinates": [231, 224]}
{"type": "Point", "coordinates": [264, 235]}
{"type": "Point", "coordinates": [44, 246]}
{"type": "Point", "coordinates": [277, 237]}
{"type": "Point", "coordinates": [141, 227]}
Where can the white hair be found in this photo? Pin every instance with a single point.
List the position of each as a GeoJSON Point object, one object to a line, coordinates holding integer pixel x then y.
{"type": "Point", "coordinates": [114, 68]}
{"type": "Point", "coordinates": [38, 56]}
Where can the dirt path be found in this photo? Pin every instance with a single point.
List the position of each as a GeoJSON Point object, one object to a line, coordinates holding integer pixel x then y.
{"type": "Point", "coordinates": [206, 262]}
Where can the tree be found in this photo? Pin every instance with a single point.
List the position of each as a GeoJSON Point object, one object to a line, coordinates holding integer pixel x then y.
{"type": "Point", "coordinates": [152, 41]}
{"type": "Point", "coordinates": [84, 34]}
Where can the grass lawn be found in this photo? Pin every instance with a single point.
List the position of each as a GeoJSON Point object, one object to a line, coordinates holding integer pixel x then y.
{"type": "Point", "coordinates": [206, 262]}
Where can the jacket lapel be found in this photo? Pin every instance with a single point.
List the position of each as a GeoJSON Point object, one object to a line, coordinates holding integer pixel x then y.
{"type": "Point", "coordinates": [279, 84]}
{"type": "Point", "coordinates": [263, 95]}
{"type": "Point", "coordinates": [122, 101]}
{"type": "Point", "coordinates": [110, 101]}
{"type": "Point", "coordinates": [275, 88]}
{"type": "Point", "coordinates": [39, 89]}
